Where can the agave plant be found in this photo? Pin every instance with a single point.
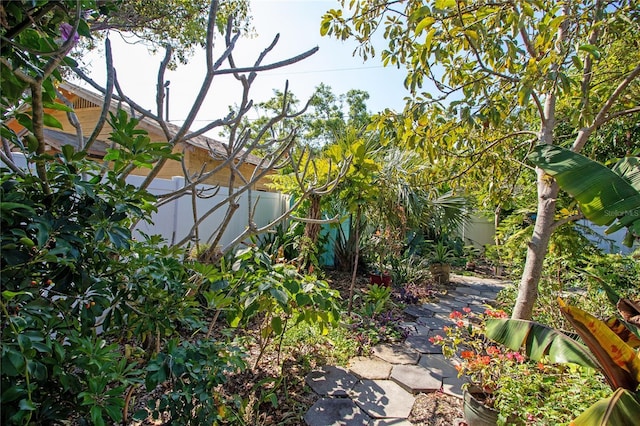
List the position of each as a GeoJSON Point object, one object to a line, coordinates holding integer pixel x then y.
{"type": "Point", "coordinates": [611, 347]}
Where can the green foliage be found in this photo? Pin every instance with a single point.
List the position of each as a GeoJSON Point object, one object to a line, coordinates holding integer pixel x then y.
{"type": "Point", "coordinates": [375, 299]}
{"type": "Point", "coordinates": [580, 276]}
{"type": "Point", "coordinates": [61, 253]}
{"type": "Point", "coordinates": [441, 253]}
{"type": "Point", "coordinates": [274, 294]}
{"type": "Point", "coordinates": [134, 147]}
{"type": "Point", "coordinates": [610, 350]}
{"type": "Point", "coordinates": [544, 394]}
{"type": "Point", "coordinates": [74, 283]}
{"type": "Point", "coordinates": [194, 370]}
{"type": "Point", "coordinates": [409, 269]}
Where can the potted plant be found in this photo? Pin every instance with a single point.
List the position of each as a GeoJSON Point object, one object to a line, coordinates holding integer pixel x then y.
{"type": "Point", "coordinates": [440, 265]}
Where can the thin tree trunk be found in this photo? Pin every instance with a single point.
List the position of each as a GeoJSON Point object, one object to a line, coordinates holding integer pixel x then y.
{"type": "Point", "coordinates": [537, 247]}
{"type": "Point", "coordinates": [355, 261]}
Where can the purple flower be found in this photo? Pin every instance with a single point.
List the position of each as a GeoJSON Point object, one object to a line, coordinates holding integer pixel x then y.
{"type": "Point", "coordinates": [66, 32]}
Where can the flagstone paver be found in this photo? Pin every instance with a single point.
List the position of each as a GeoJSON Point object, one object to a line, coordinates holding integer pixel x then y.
{"type": "Point", "coordinates": [435, 308]}
{"type": "Point", "coordinates": [383, 399]}
{"type": "Point", "coordinates": [438, 364]}
{"type": "Point", "coordinates": [422, 345]}
{"type": "Point", "coordinates": [434, 322]}
{"type": "Point", "coordinates": [416, 378]}
{"type": "Point", "coordinates": [336, 411]}
{"type": "Point", "coordinates": [396, 354]}
{"type": "Point", "coordinates": [370, 368]}
{"type": "Point", "coordinates": [418, 311]}
{"type": "Point", "coordinates": [331, 381]}
{"type": "Point", "coordinates": [379, 390]}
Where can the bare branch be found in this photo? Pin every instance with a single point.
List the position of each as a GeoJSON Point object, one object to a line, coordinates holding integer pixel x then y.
{"type": "Point", "coordinates": [565, 220]}
{"type": "Point", "coordinates": [602, 116]}
{"type": "Point", "coordinates": [10, 164]}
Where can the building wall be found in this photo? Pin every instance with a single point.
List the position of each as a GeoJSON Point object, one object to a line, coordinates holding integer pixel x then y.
{"type": "Point", "coordinates": [194, 157]}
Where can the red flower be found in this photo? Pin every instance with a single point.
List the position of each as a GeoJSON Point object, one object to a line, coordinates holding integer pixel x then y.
{"type": "Point", "coordinates": [436, 338]}
{"type": "Point", "coordinates": [466, 309]}
{"type": "Point", "coordinates": [496, 314]}
{"type": "Point", "coordinates": [493, 350]}
{"type": "Point", "coordinates": [455, 314]}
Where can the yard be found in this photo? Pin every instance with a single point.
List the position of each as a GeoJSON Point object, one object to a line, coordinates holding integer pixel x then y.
{"type": "Point", "coordinates": [197, 271]}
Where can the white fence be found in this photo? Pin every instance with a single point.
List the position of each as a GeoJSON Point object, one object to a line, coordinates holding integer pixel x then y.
{"type": "Point", "coordinates": [174, 220]}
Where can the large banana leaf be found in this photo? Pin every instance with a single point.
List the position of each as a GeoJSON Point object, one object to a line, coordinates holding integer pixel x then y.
{"type": "Point", "coordinates": [603, 194]}
{"type": "Point", "coordinates": [539, 341]}
{"type": "Point", "coordinates": [621, 408]}
{"type": "Point", "coordinates": [619, 362]}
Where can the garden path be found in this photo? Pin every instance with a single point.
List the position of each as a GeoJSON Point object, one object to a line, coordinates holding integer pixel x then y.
{"type": "Point", "coordinates": [380, 390]}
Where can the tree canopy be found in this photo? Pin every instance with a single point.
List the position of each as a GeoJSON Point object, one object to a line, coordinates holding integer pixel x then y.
{"type": "Point", "coordinates": [499, 77]}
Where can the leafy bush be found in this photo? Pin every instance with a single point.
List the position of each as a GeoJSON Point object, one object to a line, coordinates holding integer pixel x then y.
{"type": "Point", "coordinates": [84, 305]}
{"type": "Point", "coordinates": [547, 394]}
{"type": "Point", "coordinates": [194, 371]}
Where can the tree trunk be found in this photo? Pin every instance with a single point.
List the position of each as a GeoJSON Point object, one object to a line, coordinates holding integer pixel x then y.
{"type": "Point", "coordinates": [312, 229]}
{"type": "Point", "coordinates": [354, 273]}
{"type": "Point", "coordinates": [537, 247]}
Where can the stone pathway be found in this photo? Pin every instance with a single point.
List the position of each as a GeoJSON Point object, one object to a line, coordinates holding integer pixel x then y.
{"type": "Point", "coordinates": [380, 390]}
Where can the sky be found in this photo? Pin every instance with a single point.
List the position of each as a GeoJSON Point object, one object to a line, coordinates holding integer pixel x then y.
{"type": "Point", "coordinates": [298, 23]}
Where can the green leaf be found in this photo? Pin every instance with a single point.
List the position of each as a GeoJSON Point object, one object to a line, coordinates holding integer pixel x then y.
{"type": "Point", "coordinates": [444, 4]}
{"type": "Point", "coordinates": [7, 207]}
{"type": "Point", "coordinates": [602, 194]}
{"type": "Point", "coordinates": [8, 294]}
{"type": "Point", "coordinates": [83, 29]}
{"type": "Point", "coordinates": [622, 408]}
{"type": "Point", "coordinates": [591, 49]}
{"type": "Point", "coordinates": [539, 341]}
{"type": "Point", "coordinates": [27, 405]}
{"type": "Point", "coordinates": [426, 22]}
{"type": "Point", "coordinates": [276, 325]}
{"type": "Point", "coordinates": [57, 106]}
{"type": "Point", "coordinates": [279, 295]}
{"type": "Point", "coordinates": [50, 121]}
{"type": "Point", "coordinates": [577, 62]}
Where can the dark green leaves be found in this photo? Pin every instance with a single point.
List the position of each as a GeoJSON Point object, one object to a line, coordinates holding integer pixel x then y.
{"type": "Point", "coordinates": [604, 195]}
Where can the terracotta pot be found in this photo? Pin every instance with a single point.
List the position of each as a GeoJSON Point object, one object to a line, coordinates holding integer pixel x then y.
{"type": "Point", "coordinates": [476, 413]}
{"type": "Point", "coordinates": [380, 279]}
{"type": "Point", "coordinates": [440, 272]}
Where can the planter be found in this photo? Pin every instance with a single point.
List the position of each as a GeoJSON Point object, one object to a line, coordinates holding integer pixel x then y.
{"type": "Point", "coordinates": [380, 279]}
{"type": "Point", "coordinates": [440, 272]}
{"type": "Point", "coordinates": [476, 413]}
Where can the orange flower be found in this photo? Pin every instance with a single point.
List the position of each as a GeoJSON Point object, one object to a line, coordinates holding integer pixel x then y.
{"type": "Point", "coordinates": [467, 354]}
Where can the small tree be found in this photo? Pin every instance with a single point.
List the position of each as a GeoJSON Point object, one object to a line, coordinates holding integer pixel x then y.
{"type": "Point", "coordinates": [509, 73]}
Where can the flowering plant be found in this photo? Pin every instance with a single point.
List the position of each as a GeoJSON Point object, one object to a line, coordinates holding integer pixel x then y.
{"type": "Point", "coordinates": [479, 359]}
